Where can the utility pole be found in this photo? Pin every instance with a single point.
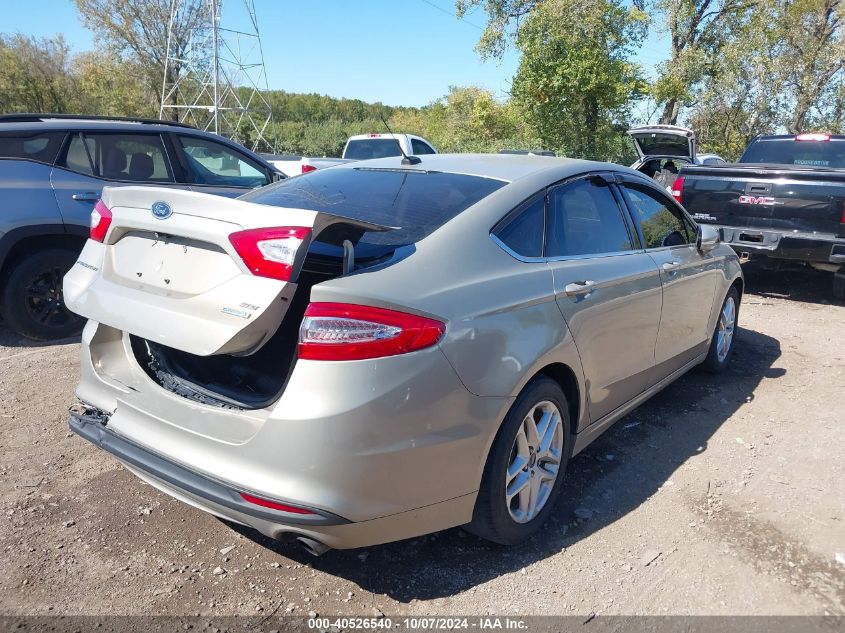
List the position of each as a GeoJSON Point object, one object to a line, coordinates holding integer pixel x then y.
{"type": "Point", "coordinates": [214, 73]}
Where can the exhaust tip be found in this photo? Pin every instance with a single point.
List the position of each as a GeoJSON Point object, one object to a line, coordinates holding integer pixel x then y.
{"type": "Point", "coordinates": [315, 548]}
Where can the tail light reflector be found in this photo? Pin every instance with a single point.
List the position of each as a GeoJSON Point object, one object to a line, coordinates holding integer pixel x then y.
{"type": "Point", "coordinates": [307, 168]}
{"type": "Point", "coordinates": [274, 505]}
{"type": "Point", "coordinates": [100, 221]}
{"type": "Point", "coordinates": [678, 188]}
{"type": "Point", "coordinates": [813, 137]}
{"type": "Point", "coordinates": [341, 331]}
{"type": "Point", "coordinates": [270, 252]}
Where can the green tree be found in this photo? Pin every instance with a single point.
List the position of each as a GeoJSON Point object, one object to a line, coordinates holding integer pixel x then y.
{"type": "Point", "coordinates": [35, 75]}
{"type": "Point", "coordinates": [698, 31]}
{"type": "Point", "coordinates": [137, 30]}
{"type": "Point", "coordinates": [110, 87]}
{"type": "Point", "coordinates": [575, 83]}
{"type": "Point", "coordinates": [467, 119]}
{"type": "Point", "coordinates": [811, 47]}
{"type": "Point", "coordinates": [782, 69]}
{"type": "Point", "coordinates": [505, 18]}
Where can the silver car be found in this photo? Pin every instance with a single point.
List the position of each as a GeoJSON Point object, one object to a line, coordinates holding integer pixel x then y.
{"type": "Point", "coordinates": [381, 350]}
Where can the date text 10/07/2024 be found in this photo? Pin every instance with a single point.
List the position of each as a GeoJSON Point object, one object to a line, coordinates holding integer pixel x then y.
{"type": "Point", "coordinates": [417, 623]}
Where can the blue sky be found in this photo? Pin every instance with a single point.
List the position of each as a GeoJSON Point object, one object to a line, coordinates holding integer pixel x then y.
{"type": "Point", "coordinates": [405, 52]}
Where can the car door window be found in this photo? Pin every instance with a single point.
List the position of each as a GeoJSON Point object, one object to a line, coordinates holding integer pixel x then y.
{"type": "Point", "coordinates": [661, 222]}
{"type": "Point", "coordinates": [585, 219]}
{"type": "Point", "coordinates": [419, 147]}
{"type": "Point", "coordinates": [38, 146]}
{"type": "Point", "coordinates": [523, 234]}
{"type": "Point", "coordinates": [122, 157]}
{"type": "Point", "coordinates": [211, 163]}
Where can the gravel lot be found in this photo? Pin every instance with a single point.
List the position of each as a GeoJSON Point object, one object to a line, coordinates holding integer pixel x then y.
{"type": "Point", "coordinates": [719, 496]}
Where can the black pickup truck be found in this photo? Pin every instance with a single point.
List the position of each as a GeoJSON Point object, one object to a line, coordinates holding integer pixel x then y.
{"type": "Point", "coordinates": [784, 200]}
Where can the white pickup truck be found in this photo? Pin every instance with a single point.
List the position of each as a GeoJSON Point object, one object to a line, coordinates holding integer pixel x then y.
{"type": "Point", "coordinates": [358, 147]}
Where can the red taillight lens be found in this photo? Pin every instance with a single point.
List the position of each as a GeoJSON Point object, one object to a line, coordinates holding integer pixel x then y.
{"type": "Point", "coordinates": [678, 188]}
{"type": "Point", "coordinates": [307, 168]}
{"type": "Point", "coordinates": [273, 505]}
{"type": "Point", "coordinates": [813, 137]}
{"type": "Point", "coordinates": [100, 221]}
{"type": "Point", "coordinates": [270, 252]}
{"type": "Point", "coordinates": [342, 331]}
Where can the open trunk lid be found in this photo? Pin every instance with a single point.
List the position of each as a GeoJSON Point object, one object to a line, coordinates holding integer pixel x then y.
{"type": "Point", "coordinates": [664, 140]}
{"type": "Point", "coordinates": [199, 273]}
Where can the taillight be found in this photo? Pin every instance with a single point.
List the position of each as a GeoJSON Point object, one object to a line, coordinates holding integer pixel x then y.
{"type": "Point", "coordinates": [274, 505]}
{"type": "Point", "coordinates": [813, 137]}
{"type": "Point", "coordinates": [100, 221]}
{"type": "Point", "coordinates": [342, 331]}
{"type": "Point", "coordinates": [678, 188]}
{"type": "Point", "coordinates": [307, 168]}
{"type": "Point", "coordinates": [270, 252]}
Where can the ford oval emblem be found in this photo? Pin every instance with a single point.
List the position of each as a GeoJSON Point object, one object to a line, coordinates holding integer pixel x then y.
{"type": "Point", "coordinates": [161, 210]}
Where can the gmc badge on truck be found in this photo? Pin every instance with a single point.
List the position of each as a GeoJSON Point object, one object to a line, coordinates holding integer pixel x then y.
{"type": "Point", "coordinates": [756, 200]}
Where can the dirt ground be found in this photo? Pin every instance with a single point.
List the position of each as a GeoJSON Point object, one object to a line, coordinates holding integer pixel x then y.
{"type": "Point", "coordinates": [719, 496]}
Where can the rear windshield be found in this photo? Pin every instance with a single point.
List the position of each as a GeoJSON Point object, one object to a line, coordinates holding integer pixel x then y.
{"type": "Point", "coordinates": [418, 202]}
{"type": "Point", "coordinates": [368, 148]}
{"type": "Point", "coordinates": [792, 152]}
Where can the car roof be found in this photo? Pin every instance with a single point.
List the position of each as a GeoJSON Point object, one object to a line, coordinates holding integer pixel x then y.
{"type": "Point", "coordinates": [61, 124]}
{"type": "Point", "coordinates": [507, 167]}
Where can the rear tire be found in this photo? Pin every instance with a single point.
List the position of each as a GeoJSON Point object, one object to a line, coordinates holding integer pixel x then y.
{"type": "Point", "coordinates": [529, 454]}
{"type": "Point", "coordinates": [33, 305]}
{"type": "Point", "coordinates": [722, 342]}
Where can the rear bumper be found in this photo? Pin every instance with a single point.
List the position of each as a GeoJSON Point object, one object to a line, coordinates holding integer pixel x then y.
{"type": "Point", "coordinates": [222, 499]}
{"type": "Point", "coordinates": [93, 426]}
{"type": "Point", "coordinates": [793, 245]}
{"type": "Point", "coordinates": [380, 451]}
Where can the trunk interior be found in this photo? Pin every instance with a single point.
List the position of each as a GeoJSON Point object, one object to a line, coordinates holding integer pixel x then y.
{"type": "Point", "coordinates": [228, 381]}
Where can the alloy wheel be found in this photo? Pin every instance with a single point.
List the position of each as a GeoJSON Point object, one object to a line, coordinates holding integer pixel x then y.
{"type": "Point", "coordinates": [725, 330]}
{"type": "Point", "coordinates": [534, 462]}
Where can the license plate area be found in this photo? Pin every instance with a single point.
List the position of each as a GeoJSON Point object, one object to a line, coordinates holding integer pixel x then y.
{"type": "Point", "coordinates": [169, 265]}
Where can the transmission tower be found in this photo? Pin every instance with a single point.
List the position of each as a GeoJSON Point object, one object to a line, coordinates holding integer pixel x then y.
{"type": "Point", "coordinates": [214, 73]}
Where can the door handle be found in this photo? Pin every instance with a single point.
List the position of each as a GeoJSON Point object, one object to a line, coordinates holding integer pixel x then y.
{"type": "Point", "coordinates": [671, 265]}
{"type": "Point", "coordinates": [578, 288]}
{"type": "Point", "coordinates": [87, 196]}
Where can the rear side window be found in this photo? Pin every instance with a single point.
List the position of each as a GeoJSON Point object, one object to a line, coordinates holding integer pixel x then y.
{"type": "Point", "coordinates": [417, 202]}
{"type": "Point", "coordinates": [367, 148]}
{"type": "Point", "coordinates": [585, 219]}
{"type": "Point", "coordinates": [524, 233]}
{"type": "Point", "coordinates": [792, 152]}
{"type": "Point", "coordinates": [419, 148]}
{"type": "Point", "coordinates": [211, 163]}
{"type": "Point", "coordinates": [41, 146]}
{"type": "Point", "coordinates": [122, 157]}
{"type": "Point", "coordinates": [661, 222]}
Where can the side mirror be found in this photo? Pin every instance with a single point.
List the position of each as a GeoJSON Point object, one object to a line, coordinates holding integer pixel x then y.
{"type": "Point", "coordinates": [708, 238]}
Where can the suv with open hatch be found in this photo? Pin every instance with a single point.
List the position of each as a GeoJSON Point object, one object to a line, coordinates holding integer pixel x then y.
{"type": "Point", "coordinates": [381, 350]}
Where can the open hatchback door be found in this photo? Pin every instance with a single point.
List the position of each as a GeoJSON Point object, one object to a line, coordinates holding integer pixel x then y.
{"type": "Point", "coordinates": [195, 272]}
{"type": "Point", "coordinates": [664, 141]}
